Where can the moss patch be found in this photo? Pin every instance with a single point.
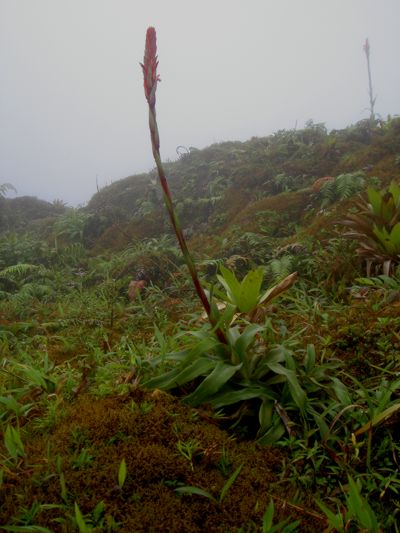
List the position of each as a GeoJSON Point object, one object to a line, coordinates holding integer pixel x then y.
{"type": "Point", "coordinates": [144, 428]}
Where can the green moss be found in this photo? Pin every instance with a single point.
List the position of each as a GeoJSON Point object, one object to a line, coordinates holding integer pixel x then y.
{"type": "Point", "coordinates": [147, 439]}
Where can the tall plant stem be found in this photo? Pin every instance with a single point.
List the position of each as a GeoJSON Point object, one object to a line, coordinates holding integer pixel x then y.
{"type": "Point", "coordinates": [151, 79]}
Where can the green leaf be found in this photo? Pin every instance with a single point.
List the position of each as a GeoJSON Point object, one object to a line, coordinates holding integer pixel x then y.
{"type": "Point", "coordinates": [189, 490]}
{"type": "Point", "coordinates": [360, 509]}
{"type": "Point", "coordinates": [273, 434]}
{"type": "Point", "coordinates": [229, 483]}
{"type": "Point", "coordinates": [13, 443]}
{"type": "Point", "coordinates": [341, 391]}
{"type": "Point", "coordinates": [83, 528]}
{"type": "Point", "coordinates": [334, 520]}
{"type": "Point", "coordinates": [375, 199]}
{"type": "Point", "coordinates": [221, 374]}
{"type": "Point", "coordinates": [177, 377]}
{"type": "Point", "coordinates": [243, 342]}
{"type": "Point", "coordinates": [394, 190]}
{"type": "Point", "coordinates": [297, 393]}
{"type": "Point", "coordinates": [230, 284]}
{"type": "Point", "coordinates": [235, 396]}
{"type": "Point", "coordinates": [268, 517]}
{"type": "Point", "coordinates": [122, 472]}
{"type": "Point", "coordinates": [310, 358]}
{"type": "Point", "coordinates": [63, 486]}
{"type": "Point", "coordinates": [265, 415]}
{"type": "Point", "coordinates": [249, 292]}
{"type": "Point", "coordinates": [98, 511]}
{"type": "Point", "coordinates": [395, 237]}
{"type": "Point", "coordinates": [384, 238]}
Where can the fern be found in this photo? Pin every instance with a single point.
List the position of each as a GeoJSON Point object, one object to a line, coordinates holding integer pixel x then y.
{"type": "Point", "coordinates": [328, 193]}
{"type": "Point", "coordinates": [20, 271]}
{"type": "Point", "coordinates": [349, 184]}
{"type": "Point", "coordinates": [342, 187]}
{"type": "Point", "coordinates": [280, 268]}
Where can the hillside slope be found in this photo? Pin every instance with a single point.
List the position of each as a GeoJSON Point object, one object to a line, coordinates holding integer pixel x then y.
{"type": "Point", "coordinates": [215, 187]}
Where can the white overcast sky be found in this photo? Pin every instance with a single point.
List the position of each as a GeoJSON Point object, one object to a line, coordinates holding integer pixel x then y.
{"type": "Point", "coordinates": [72, 108]}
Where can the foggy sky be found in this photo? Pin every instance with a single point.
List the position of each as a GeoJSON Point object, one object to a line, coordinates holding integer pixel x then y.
{"type": "Point", "coordinates": [72, 108]}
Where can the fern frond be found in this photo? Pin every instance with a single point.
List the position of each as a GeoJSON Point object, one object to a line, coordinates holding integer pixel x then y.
{"type": "Point", "coordinates": [19, 271]}
{"type": "Point", "coordinates": [349, 184]}
{"type": "Point", "coordinates": [328, 192]}
{"type": "Point", "coordinates": [281, 268]}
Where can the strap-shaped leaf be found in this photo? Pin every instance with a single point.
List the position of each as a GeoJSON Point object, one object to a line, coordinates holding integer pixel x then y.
{"type": "Point", "coordinates": [298, 394]}
{"type": "Point", "coordinates": [231, 397]}
{"type": "Point", "coordinates": [178, 376]}
{"type": "Point", "coordinates": [245, 340]}
{"type": "Point", "coordinates": [273, 434]}
{"type": "Point", "coordinates": [265, 415]}
{"type": "Point", "coordinates": [221, 374]}
{"type": "Point", "coordinates": [230, 284]}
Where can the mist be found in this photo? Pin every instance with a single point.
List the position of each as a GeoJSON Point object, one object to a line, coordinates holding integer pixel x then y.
{"type": "Point", "coordinates": [72, 110]}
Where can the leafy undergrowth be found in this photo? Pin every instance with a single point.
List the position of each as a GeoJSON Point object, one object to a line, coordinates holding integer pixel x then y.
{"type": "Point", "coordinates": [165, 447]}
{"type": "Point", "coordinates": [296, 404]}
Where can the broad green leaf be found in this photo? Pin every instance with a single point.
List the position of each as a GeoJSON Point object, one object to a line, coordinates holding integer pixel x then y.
{"type": "Point", "coordinates": [249, 293]}
{"type": "Point", "coordinates": [221, 374]}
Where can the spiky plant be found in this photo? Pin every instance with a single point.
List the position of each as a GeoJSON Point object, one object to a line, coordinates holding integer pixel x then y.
{"type": "Point", "coordinates": [376, 227]}
{"type": "Point", "coordinates": [151, 78]}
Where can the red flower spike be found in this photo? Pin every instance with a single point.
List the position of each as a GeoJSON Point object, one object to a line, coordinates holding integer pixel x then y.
{"type": "Point", "coordinates": [149, 67]}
